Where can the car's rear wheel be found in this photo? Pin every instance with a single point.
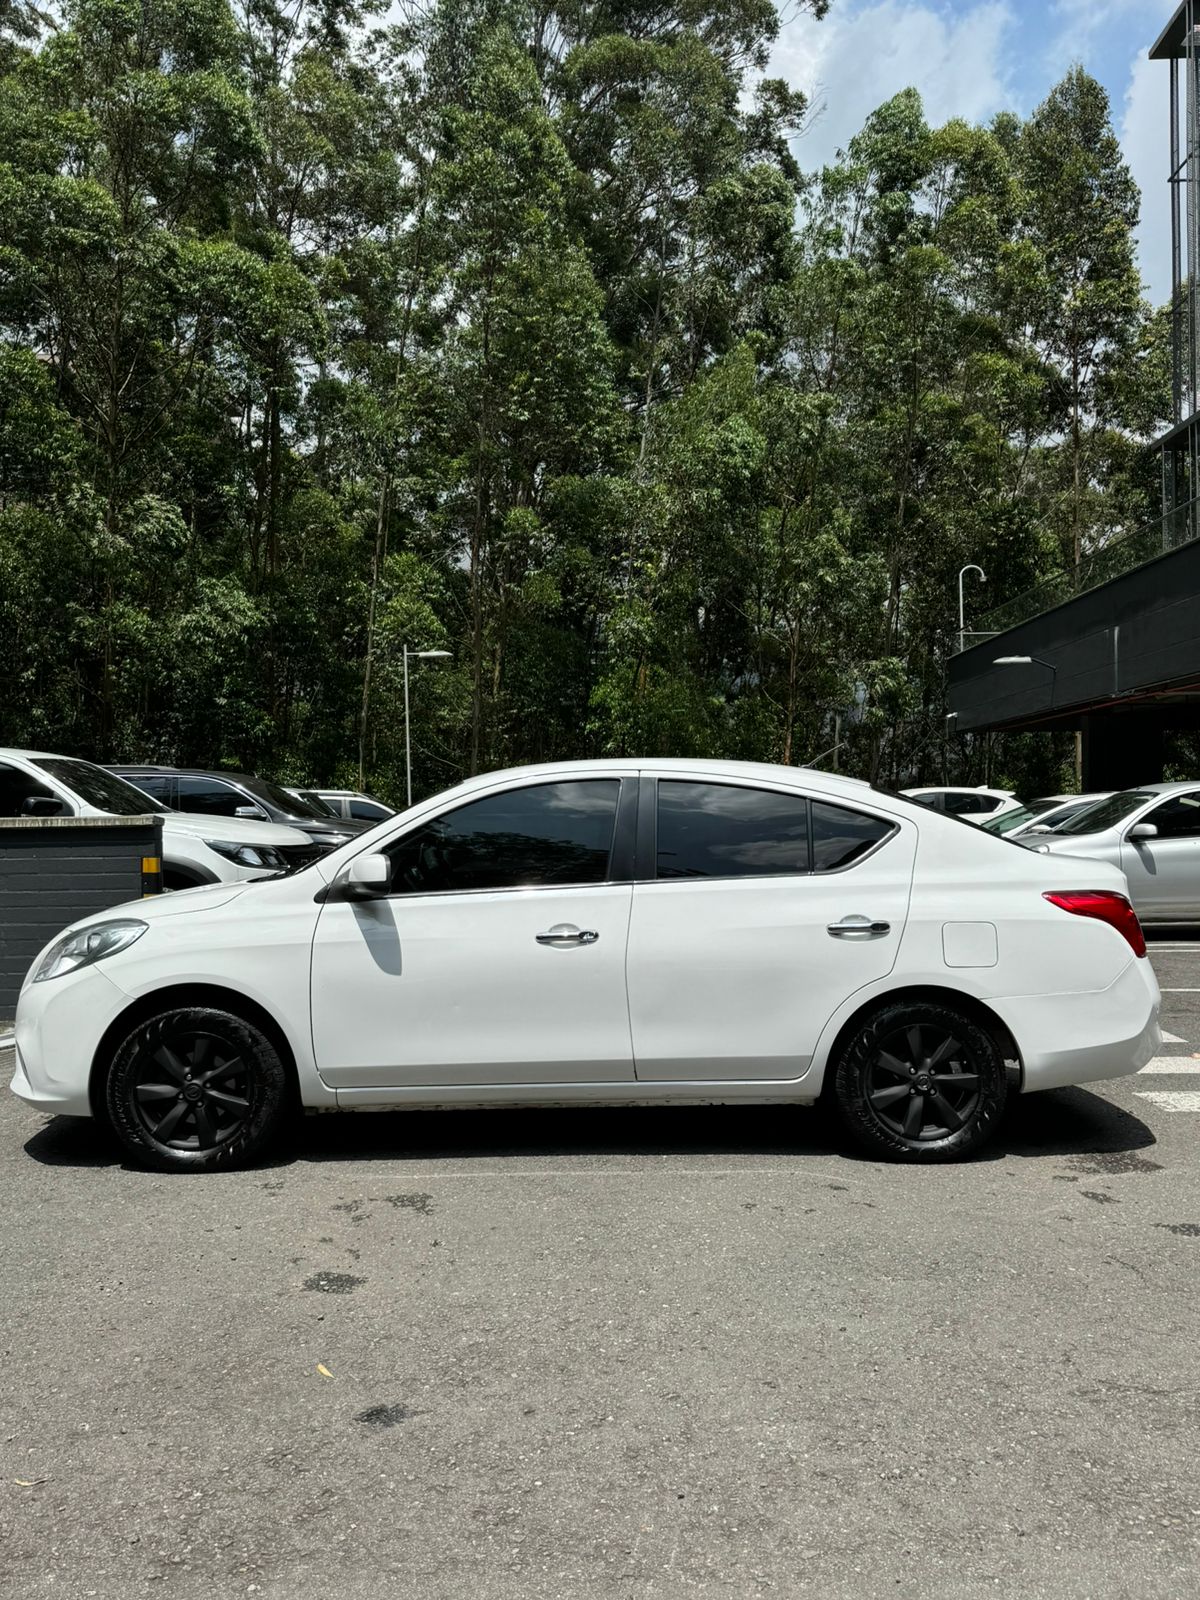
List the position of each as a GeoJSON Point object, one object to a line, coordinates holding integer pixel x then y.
{"type": "Point", "coordinates": [921, 1081]}
{"type": "Point", "coordinates": [197, 1088]}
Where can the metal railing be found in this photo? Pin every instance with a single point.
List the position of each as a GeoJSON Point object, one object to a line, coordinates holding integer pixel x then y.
{"type": "Point", "coordinates": [1118, 555]}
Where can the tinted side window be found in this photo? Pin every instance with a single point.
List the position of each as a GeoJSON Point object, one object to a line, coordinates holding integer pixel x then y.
{"type": "Point", "coordinates": [840, 837]}
{"type": "Point", "coordinates": [547, 834]}
{"type": "Point", "coordinates": [1177, 818]}
{"type": "Point", "coordinates": [365, 810]}
{"type": "Point", "coordinates": [155, 784]}
{"type": "Point", "coordinates": [928, 798]}
{"type": "Point", "coordinates": [959, 805]}
{"type": "Point", "coordinates": [210, 796]}
{"type": "Point", "coordinates": [714, 830]}
{"type": "Point", "coordinates": [15, 788]}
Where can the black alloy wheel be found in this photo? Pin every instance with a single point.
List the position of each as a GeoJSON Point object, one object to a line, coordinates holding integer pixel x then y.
{"type": "Point", "coordinates": [196, 1088]}
{"type": "Point", "coordinates": [921, 1082]}
{"type": "Point", "coordinates": [920, 1085]}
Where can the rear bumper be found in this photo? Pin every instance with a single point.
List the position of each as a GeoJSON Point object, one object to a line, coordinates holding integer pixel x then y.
{"type": "Point", "coordinates": [1084, 1038]}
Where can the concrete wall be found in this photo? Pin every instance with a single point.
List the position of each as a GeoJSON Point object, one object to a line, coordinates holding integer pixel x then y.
{"type": "Point", "coordinates": [54, 870]}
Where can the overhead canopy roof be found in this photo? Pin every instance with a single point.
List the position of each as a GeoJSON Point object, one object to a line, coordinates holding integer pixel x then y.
{"type": "Point", "coordinates": [1170, 40]}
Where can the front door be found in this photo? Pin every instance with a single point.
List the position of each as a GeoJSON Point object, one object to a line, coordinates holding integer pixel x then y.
{"type": "Point", "coordinates": [1164, 872]}
{"type": "Point", "coordinates": [498, 956]}
{"type": "Point", "coordinates": [766, 912]}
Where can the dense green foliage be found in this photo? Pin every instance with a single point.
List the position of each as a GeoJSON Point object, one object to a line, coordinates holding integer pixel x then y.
{"type": "Point", "coordinates": [518, 332]}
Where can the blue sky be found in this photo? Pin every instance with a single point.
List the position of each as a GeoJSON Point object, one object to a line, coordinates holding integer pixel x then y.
{"type": "Point", "coordinates": [972, 58]}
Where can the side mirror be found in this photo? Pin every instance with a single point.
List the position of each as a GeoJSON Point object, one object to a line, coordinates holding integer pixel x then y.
{"type": "Point", "coordinates": [1037, 827]}
{"type": "Point", "coordinates": [251, 813]}
{"type": "Point", "coordinates": [366, 878]}
{"type": "Point", "coordinates": [44, 805]}
{"type": "Point", "coordinates": [1143, 830]}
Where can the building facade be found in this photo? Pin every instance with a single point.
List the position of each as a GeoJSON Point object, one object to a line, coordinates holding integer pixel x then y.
{"type": "Point", "coordinates": [1111, 649]}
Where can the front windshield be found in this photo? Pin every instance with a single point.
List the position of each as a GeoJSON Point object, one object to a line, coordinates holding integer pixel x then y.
{"type": "Point", "coordinates": [1011, 820]}
{"type": "Point", "coordinates": [1106, 813]}
{"type": "Point", "coordinates": [281, 799]}
{"type": "Point", "coordinates": [98, 788]}
{"type": "Point", "coordinates": [321, 807]}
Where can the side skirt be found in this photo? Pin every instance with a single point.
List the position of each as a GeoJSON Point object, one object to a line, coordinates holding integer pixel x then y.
{"type": "Point", "coordinates": [435, 1097]}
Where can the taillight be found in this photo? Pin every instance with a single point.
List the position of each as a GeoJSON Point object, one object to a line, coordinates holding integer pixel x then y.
{"type": "Point", "coordinates": [1106, 906]}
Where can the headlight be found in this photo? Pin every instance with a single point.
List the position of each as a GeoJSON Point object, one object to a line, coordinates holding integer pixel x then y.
{"type": "Point", "coordinates": [248, 855]}
{"type": "Point", "coordinates": [86, 945]}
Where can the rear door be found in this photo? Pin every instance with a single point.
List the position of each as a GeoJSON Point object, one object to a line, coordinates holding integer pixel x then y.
{"type": "Point", "coordinates": [766, 910]}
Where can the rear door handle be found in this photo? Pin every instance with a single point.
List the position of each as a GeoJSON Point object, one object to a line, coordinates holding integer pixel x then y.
{"type": "Point", "coordinates": [858, 928]}
{"type": "Point", "coordinates": [567, 933]}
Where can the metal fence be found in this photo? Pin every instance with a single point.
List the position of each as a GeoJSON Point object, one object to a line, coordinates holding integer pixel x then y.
{"type": "Point", "coordinates": [1119, 555]}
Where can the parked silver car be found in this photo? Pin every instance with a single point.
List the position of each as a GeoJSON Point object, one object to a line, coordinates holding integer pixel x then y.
{"type": "Point", "coordinates": [1153, 835]}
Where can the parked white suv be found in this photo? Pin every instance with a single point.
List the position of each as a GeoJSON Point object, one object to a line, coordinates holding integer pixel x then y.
{"type": "Point", "coordinates": [972, 805]}
{"type": "Point", "coordinates": [196, 849]}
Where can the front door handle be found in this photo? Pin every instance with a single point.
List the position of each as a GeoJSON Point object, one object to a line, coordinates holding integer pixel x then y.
{"type": "Point", "coordinates": [858, 928]}
{"type": "Point", "coordinates": [567, 933]}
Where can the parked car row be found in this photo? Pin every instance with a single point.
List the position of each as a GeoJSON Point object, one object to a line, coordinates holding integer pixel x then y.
{"type": "Point", "coordinates": [1151, 834]}
{"type": "Point", "coordinates": [217, 827]}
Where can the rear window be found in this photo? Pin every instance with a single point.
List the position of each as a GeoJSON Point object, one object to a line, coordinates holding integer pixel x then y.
{"type": "Point", "coordinates": [719, 830]}
{"type": "Point", "coordinates": [841, 837]}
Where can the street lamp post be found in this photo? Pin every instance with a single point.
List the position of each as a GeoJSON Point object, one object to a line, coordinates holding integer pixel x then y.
{"type": "Point", "coordinates": [962, 620]}
{"type": "Point", "coordinates": [417, 655]}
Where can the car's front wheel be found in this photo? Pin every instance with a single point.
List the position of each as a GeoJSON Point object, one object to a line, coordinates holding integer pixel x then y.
{"type": "Point", "coordinates": [196, 1088]}
{"type": "Point", "coordinates": [921, 1081]}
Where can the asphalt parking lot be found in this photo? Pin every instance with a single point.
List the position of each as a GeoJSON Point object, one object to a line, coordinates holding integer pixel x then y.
{"type": "Point", "coordinates": [613, 1353]}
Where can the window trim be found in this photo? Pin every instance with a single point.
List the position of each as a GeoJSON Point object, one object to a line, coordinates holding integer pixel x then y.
{"type": "Point", "coordinates": [620, 850]}
{"type": "Point", "coordinates": [647, 847]}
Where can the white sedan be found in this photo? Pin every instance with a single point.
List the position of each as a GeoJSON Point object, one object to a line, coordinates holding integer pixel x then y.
{"type": "Point", "coordinates": [613, 932]}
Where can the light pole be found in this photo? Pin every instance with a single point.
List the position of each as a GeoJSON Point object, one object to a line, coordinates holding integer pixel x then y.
{"type": "Point", "coordinates": [962, 620]}
{"type": "Point", "coordinates": [417, 655]}
{"type": "Point", "coordinates": [1030, 661]}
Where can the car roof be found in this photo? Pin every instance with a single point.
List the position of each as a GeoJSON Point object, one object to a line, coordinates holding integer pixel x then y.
{"type": "Point", "coordinates": [1164, 788]}
{"type": "Point", "coordinates": [956, 788]}
{"type": "Point", "coordinates": [190, 772]}
{"type": "Point", "coordinates": [831, 783]}
{"type": "Point", "coordinates": [44, 755]}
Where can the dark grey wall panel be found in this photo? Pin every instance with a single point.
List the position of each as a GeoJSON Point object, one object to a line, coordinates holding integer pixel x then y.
{"type": "Point", "coordinates": [55, 870]}
{"type": "Point", "coordinates": [1138, 635]}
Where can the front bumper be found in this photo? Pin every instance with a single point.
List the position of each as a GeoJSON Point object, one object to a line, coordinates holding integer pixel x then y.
{"type": "Point", "coordinates": [58, 1026]}
{"type": "Point", "coordinates": [1085, 1038]}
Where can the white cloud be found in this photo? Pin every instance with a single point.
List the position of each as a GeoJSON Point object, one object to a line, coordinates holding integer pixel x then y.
{"type": "Point", "coordinates": [1145, 138]}
{"type": "Point", "coordinates": [1081, 25]}
{"type": "Point", "coordinates": [862, 55]}
{"type": "Point", "coordinates": [972, 60]}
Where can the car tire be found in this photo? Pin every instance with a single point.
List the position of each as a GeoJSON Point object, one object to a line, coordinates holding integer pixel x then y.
{"type": "Point", "coordinates": [921, 1082]}
{"type": "Point", "coordinates": [196, 1088]}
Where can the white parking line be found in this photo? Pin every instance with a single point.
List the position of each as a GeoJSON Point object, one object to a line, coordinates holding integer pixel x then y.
{"type": "Point", "coordinates": [7, 1040]}
{"type": "Point", "coordinates": [1171, 1099]}
{"type": "Point", "coordinates": [1173, 1038]}
{"type": "Point", "coordinates": [1171, 1064]}
{"type": "Point", "coordinates": [1178, 991]}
